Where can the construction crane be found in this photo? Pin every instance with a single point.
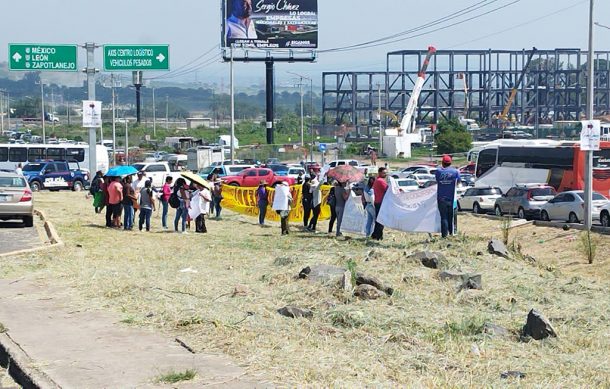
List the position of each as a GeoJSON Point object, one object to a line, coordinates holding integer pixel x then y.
{"type": "Point", "coordinates": [405, 124]}
{"type": "Point", "coordinates": [511, 98]}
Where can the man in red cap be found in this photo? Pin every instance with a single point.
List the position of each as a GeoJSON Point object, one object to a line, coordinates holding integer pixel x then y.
{"type": "Point", "coordinates": [446, 179]}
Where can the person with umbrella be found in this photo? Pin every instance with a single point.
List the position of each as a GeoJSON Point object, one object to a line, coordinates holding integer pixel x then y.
{"type": "Point", "coordinates": [343, 174]}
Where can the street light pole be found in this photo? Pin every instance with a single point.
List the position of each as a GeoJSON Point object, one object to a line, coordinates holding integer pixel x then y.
{"type": "Point", "coordinates": [154, 114]}
{"type": "Point", "coordinates": [232, 112]}
{"type": "Point", "coordinates": [44, 139]}
{"type": "Point", "coordinates": [590, 113]}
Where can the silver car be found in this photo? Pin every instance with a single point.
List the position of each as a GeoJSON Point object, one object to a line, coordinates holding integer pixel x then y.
{"type": "Point", "coordinates": [570, 206]}
{"type": "Point", "coordinates": [16, 199]}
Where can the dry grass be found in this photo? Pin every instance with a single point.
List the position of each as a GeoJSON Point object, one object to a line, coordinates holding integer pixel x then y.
{"type": "Point", "coordinates": [423, 335]}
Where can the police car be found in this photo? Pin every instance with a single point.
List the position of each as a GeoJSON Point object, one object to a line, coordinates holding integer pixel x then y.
{"type": "Point", "coordinates": [55, 175]}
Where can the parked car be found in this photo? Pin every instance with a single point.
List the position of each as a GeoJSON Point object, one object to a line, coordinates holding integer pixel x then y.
{"type": "Point", "coordinates": [479, 199]}
{"type": "Point", "coordinates": [157, 172]}
{"type": "Point", "coordinates": [570, 206]}
{"type": "Point", "coordinates": [421, 178]}
{"type": "Point", "coordinates": [604, 215]}
{"type": "Point", "coordinates": [295, 171]}
{"type": "Point", "coordinates": [55, 175]}
{"type": "Point", "coordinates": [251, 177]}
{"type": "Point", "coordinates": [407, 184]}
{"type": "Point", "coordinates": [524, 200]}
{"type": "Point", "coordinates": [16, 198]}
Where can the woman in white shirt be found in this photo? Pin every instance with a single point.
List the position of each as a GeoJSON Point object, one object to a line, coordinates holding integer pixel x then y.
{"type": "Point", "coordinates": [282, 200]}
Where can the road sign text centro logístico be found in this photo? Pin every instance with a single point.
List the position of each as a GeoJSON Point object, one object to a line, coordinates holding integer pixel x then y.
{"type": "Point", "coordinates": [42, 57]}
{"type": "Point", "coordinates": [136, 57]}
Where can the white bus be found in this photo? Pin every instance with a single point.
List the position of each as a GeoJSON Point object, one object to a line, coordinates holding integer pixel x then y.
{"type": "Point", "coordinates": [13, 154]}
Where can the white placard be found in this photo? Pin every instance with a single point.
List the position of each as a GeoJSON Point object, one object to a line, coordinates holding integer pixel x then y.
{"type": "Point", "coordinates": [92, 113]}
{"type": "Point", "coordinates": [590, 135]}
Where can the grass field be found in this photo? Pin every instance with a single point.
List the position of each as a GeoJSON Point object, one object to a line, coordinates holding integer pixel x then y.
{"type": "Point", "coordinates": [426, 334]}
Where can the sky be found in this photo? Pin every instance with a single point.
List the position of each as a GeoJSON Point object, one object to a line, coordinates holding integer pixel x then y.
{"type": "Point", "coordinates": [192, 28]}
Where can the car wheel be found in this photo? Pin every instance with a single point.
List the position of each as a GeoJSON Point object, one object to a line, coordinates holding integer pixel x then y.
{"type": "Point", "coordinates": [497, 210]}
{"type": "Point", "coordinates": [77, 186]}
{"type": "Point", "coordinates": [35, 186]}
{"type": "Point", "coordinates": [605, 219]}
{"type": "Point", "coordinates": [28, 221]}
{"type": "Point", "coordinates": [521, 213]}
{"type": "Point", "coordinates": [544, 215]}
{"type": "Point", "coordinates": [234, 184]}
{"type": "Point", "coordinates": [476, 208]}
{"type": "Point", "coordinates": [572, 218]}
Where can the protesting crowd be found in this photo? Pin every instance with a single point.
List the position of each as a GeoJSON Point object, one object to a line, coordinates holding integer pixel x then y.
{"type": "Point", "coordinates": [194, 199]}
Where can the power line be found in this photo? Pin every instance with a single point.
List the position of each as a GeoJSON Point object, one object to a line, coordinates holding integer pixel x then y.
{"type": "Point", "coordinates": [182, 68]}
{"type": "Point", "coordinates": [426, 32]}
{"type": "Point", "coordinates": [191, 70]}
{"type": "Point", "coordinates": [523, 24]}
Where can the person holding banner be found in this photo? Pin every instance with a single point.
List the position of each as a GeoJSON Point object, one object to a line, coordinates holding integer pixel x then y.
{"type": "Point", "coordinates": [239, 25]}
{"type": "Point", "coordinates": [316, 202]}
{"type": "Point", "coordinates": [446, 179]}
{"type": "Point", "coordinates": [281, 204]}
{"type": "Point", "coordinates": [306, 200]}
{"type": "Point", "coordinates": [380, 186]}
{"type": "Point", "coordinates": [368, 200]}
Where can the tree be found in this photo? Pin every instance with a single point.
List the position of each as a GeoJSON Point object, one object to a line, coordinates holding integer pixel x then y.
{"type": "Point", "coordinates": [452, 137]}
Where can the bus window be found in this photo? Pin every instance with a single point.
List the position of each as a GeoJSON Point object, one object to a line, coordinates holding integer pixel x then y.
{"type": "Point", "coordinates": [56, 153]}
{"type": "Point", "coordinates": [18, 154]}
{"type": "Point", "coordinates": [35, 153]}
{"type": "Point", "coordinates": [601, 158]}
{"type": "Point", "coordinates": [486, 160]}
{"type": "Point", "coordinates": [75, 154]}
{"type": "Point", "coordinates": [3, 154]}
{"type": "Point", "coordinates": [537, 157]}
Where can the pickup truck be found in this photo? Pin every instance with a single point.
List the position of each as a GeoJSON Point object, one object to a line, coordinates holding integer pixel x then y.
{"type": "Point", "coordinates": [157, 171]}
{"type": "Point", "coordinates": [366, 169]}
{"type": "Point", "coordinates": [55, 175]}
{"type": "Point", "coordinates": [222, 170]}
{"type": "Point", "coordinates": [253, 176]}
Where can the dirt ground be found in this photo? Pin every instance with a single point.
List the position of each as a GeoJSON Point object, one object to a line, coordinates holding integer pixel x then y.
{"type": "Point", "coordinates": [426, 334]}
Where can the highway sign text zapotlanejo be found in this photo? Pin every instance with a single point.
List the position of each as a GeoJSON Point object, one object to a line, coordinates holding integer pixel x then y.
{"type": "Point", "coordinates": [42, 57]}
{"type": "Point", "coordinates": [136, 57]}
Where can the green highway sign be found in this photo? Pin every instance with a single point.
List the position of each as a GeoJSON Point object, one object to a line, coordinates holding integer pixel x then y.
{"type": "Point", "coordinates": [42, 57]}
{"type": "Point", "coordinates": [136, 57]}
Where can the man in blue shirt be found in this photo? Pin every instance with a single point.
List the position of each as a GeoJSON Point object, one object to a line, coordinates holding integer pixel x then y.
{"type": "Point", "coordinates": [446, 179]}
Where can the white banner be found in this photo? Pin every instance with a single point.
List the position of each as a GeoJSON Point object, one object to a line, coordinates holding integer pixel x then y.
{"type": "Point", "coordinates": [92, 113]}
{"type": "Point", "coordinates": [415, 211]}
{"type": "Point", "coordinates": [590, 135]}
{"type": "Point", "coordinates": [354, 215]}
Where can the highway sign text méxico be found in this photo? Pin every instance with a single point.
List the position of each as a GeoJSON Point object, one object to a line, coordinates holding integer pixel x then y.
{"type": "Point", "coordinates": [136, 57]}
{"type": "Point", "coordinates": [42, 57]}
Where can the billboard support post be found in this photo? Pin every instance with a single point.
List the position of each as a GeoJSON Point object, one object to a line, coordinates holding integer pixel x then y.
{"type": "Point", "coordinates": [232, 111]}
{"type": "Point", "coordinates": [269, 94]}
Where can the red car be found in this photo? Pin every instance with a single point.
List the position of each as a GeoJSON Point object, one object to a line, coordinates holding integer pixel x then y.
{"type": "Point", "coordinates": [253, 176]}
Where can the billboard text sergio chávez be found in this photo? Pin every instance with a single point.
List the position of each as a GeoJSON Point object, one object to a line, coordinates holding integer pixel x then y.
{"type": "Point", "coordinates": [270, 24]}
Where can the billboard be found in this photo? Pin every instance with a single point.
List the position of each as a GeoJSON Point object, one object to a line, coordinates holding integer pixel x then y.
{"type": "Point", "coordinates": [270, 24]}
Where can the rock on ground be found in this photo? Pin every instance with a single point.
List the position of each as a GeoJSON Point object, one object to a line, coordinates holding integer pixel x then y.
{"type": "Point", "coordinates": [368, 292]}
{"type": "Point", "coordinates": [538, 326]}
{"type": "Point", "coordinates": [363, 279]}
{"type": "Point", "coordinates": [322, 273]}
{"type": "Point", "coordinates": [294, 312]}
{"type": "Point", "coordinates": [498, 248]}
{"type": "Point", "coordinates": [430, 259]}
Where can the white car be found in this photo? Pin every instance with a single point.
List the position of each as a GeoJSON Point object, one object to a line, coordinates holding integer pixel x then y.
{"type": "Point", "coordinates": [295, 171]}
{"type": "Point", "coordinates": [480, 199]}
{"type": "Point", "coordinates": [604, 215]}
{"type": "Point", "coordinates": [570, 206]}
{"type": "Point", "coordinates": [422, 178]}
{"type": "Point", "coordinates": [407, 184]}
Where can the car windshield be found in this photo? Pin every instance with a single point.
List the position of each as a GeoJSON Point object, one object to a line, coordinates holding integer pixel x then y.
{"type": "Point", "coordinates": [543, 192]}
{"type": "Point", "coordinates": [407, 183]}
{"type": "Point", "coordinates": [236, 169]}
{"type": "Point", "coordinates": [278, 168]}
{"type": "Point", "coordinates": [596, 196]}
{"type": "Point", "coordinates": [492, 191]}
{"type": "Point", "coordinates": [33, 167]}
{"type": "Point", "coordinates": [12, 182]}
{"type": "Point", "coordinates": [138, 166]}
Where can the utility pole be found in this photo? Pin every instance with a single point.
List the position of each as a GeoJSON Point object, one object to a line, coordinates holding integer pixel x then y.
{"type": "Point", "coordinates": [233, 112]}
{"type": "Point", "coordinates": [44, 138]}
{"type": "Point", "coordinates": [53, 109]}
{"type": "Point", "coordinates": [113, 119]}
{"type": "Point", "coordinates": [154, 114]}
{"type": "Point", "coordinates": [590, 113]}
{"type": "Point", "coordinates": [137, 83]}
{"type": "Point", "coordinates": [126, 141]}
{"type": "Point", "coordinates": [2, 110]}
{"type": "Point", "coordinates": [380, 125]}
{"type": "Point", "coordinates": [166, 112]}
{"type": "Point", "coordinates": [8, 108]}
{"type": "Point", "coordinates": [90, 70]}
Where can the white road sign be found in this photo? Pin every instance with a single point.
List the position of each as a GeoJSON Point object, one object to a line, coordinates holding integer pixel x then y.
{"type": "Point", "coordinates": [590, 135]}
{"type": "Point", "coordinates": [92, 113]}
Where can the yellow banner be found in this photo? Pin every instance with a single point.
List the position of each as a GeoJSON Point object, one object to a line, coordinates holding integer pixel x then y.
{"type": "Point", "coordinates": [243, 200]}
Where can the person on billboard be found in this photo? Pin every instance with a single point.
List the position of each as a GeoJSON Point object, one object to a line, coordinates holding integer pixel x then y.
{"type": "Point", "coordinates": [239, 25]}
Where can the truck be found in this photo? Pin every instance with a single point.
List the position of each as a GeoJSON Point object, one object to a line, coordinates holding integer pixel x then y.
{"type": "Point", "coordinates": [202, 156]}
{"type": "Point", "coordinates": [157, 172]}
{"type": "Point", "coordinates": [55, 175]}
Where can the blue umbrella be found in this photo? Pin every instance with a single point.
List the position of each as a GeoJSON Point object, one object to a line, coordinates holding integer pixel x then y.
{"type": "Point", "coordinates": [120, 171]}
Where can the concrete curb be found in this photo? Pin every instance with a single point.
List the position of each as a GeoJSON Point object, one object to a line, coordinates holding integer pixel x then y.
{"type": "Point", "coordinates": [51, 234]}
{"type": "Point", "coordinates": [20, 367]}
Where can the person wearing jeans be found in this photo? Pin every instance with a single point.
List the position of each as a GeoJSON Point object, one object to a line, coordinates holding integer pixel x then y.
{"type": "Point", "coordinates": [316, 203]}
{"type": "Point", "coordinates": [306, 200]}
{"type": "Point", "coordinates": [182, 211]}
{"type": "Point", "coordinates": [128, 198]}
{"type": "Point", "coordinates": [262, 201]}
{"type": "Point", "coordinates": [368, 198]}
{"type": "Point", "coordinates": [217, 198]}
{"type": "Point", "coordinates": [446, 180]}
{"type": "Point", "coordinates": [332, 201]}
{"type": "Point", "coordinates": [147, 205]}
{"type": "Point", "coordinates": [166, 192]}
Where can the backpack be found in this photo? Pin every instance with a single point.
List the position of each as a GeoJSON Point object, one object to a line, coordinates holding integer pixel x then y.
{"type": "Point", "coordinates": [174, 200]}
